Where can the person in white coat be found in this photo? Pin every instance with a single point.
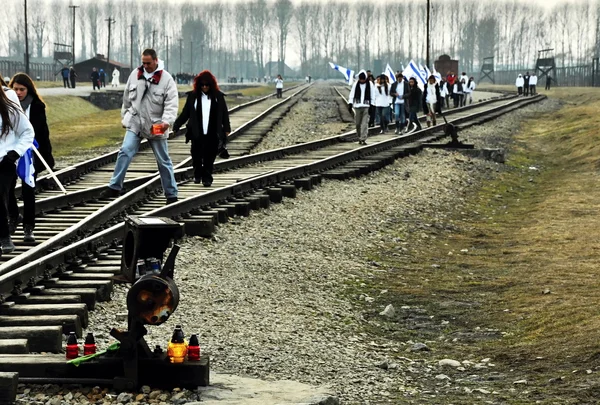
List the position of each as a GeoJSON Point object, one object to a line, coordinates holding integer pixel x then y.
{"type": "Point", "coordinates": [533, 84]}
{"type": "Point", "coordinates": [520, 83]}
{"type": "Point", "coordinates": [382, 102]}
{"type": "Point", "coordinates": [469, 89]}
{"type": "Point", "coordinates": [16, 137]}
{"type": "Point", "coordinates": [362, 96]}
{"type": "Point", "coordinates": [115, 78]}
{"type": "Point", "coordinates": [279, 86]}
{"type": "Point", "coordinates": [150, 103]}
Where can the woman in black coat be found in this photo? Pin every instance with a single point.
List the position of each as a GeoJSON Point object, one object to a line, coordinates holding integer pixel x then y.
{"type": "Point", "coordinates": [33, 106]}
{"type": "Point", "coordinates": [208, 126]}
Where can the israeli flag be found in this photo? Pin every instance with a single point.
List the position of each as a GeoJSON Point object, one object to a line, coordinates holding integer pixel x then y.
{"type": "Point", "coordinates": [423, 72]}
{"type": "Point", "coordinates": [25, 168]}
{"type": "Point", "coordinates": [348, 73]}
{"type": "Point", "coordinates": [390, 73]}
{"type": "Point", "coordinates": [437, 75]}
{"type": "Point", "coordinates": [412, 70]}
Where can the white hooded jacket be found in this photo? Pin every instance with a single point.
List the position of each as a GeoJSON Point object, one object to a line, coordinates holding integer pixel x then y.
{"type": "Point", "coordinates": [362, 103]}
{"type": "Point", "coordinates": [146, 102]}
{"type": "Point", "coordinates": [520, 81]}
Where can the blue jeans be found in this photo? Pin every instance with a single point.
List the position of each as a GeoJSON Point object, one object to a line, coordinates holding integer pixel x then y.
{"type": "Point", "coordinates": [400, 114]}
{"type": "Point", "coordinates": [383, 117]}
{"type": "Point", "coordinates": [131, 144]}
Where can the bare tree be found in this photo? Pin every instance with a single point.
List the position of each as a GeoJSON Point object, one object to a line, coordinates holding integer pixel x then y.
{"type": "Point", "coordinates": [284, 10]}
{"type": "Point", "coordinates": [38, 23]}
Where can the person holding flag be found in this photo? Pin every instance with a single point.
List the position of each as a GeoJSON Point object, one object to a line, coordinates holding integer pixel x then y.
{"type": "Point", "coordinates": [29, 166]}
{"type": "Point", "coordinates": [16, 136]}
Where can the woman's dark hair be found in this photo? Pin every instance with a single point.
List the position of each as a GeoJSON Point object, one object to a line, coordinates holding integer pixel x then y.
{"type": "Point", "coordinates": [412, 79]}
{"type": "Point", "coordinates": [206, 77]}
{"type": "Point", "coordinates": [8, 109]}
{"type": "Point", "coordinates": [24, 80]}
{"type": "Point", "coordinates": [2, 82]}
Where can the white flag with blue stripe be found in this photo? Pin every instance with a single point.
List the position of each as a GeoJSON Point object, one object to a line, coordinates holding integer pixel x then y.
{"type": "Point", "coordinates": [25, 168]}
{"type": "Point", "coordinates": [390, 73]}
{"type": "Point", "coordinates": [348, 73]}
{"type": "Point", "coordinates": [437, 75]}
{"type": "Point", "coordinates": [412, 70]}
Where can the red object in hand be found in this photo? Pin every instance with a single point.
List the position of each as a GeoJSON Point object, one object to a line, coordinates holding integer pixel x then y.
{"type": "Point", "coordinates": [193, 349]}
{"type": "Point", "coordinates": [89, 347]}
{"type": "Point", "coordinates": [158, 129]}
{"type": "Point", "coordinates": [72, 347]}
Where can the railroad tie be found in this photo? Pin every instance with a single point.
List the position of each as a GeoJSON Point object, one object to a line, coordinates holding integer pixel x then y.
{"type": "Point", "coordinates": [39, 338]}
{"type": "Point", "coordinates": [8, 387]}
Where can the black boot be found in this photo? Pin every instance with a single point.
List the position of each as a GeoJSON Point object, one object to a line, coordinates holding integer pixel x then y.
{"type": "Point", "coordinates": [28, 234]}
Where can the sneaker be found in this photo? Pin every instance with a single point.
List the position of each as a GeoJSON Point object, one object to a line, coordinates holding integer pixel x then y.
{"type": "Point", "coordinates": [28, 234]}
{"type": "Point", "coordinates": [396, 131]}
{"type": "Point", "coordinates": [197, 181]}
{"type": "Point", "coordinates": [110, 193]}
{"type": "Point", "coordinates": [171, 200]}
{"type": "Point", "coordinates": [7, 245]}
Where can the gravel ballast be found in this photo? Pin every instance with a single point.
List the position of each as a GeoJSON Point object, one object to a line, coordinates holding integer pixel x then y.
{"type": "Point", "coordinates": [278, 295]}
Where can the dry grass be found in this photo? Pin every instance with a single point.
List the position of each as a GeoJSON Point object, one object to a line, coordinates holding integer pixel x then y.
{"type": "Point", "coordinates": [539, 236]}
{"type": "Point", "coordinates": [76, 124]}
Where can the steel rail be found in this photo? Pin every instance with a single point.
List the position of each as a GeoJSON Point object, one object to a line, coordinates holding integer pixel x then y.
{"type": "Point", "coordinates": [73, 172]}
{"type": "Point", "coordinates": [34, 268]}
{"type": "Point", "coordinates": [83, 196]}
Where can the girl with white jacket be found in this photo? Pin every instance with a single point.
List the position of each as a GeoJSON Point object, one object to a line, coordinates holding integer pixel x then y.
{"type": "Point", "coordinates": [520, 83]}
{"type": "Point", "coordinates": [469, 88]}
{"type": "Point", "coordinates": [382, 102]}
{"type": "Point", "coordinates": [16, 136]}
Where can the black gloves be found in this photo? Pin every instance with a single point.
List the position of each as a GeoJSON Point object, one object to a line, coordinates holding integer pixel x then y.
{"type": "Point", "coordinates": [12, 156]}
{"type": "Point", "coordinates": [10, 159]}
{"type": "Point", "coordinates": [350, 108]}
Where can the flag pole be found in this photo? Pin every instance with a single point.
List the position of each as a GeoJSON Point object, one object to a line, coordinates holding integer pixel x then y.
{"type": "Point", "coordinates": [39, 156]}
{"type": "Point", "coordinates": [428, 32]}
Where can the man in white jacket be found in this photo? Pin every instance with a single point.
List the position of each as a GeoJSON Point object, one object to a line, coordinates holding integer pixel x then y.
{"type": "Point", "coordinates": [362, 96]}
{"type": "Point", "coordinates": [150, 104]}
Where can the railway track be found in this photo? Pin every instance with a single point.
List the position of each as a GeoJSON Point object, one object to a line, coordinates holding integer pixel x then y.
{"type": "Point", "coordinates": [48, 291]}
{"type": "Point", "coordinates": [85, 181]}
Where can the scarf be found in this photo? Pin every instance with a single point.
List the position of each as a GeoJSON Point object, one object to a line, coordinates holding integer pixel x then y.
{"type": "Point", "coordinates": [26, 102]}
{"type": "Point", "coordinates": [357, 93]}
{"type": "Point", "coordinates": [155, 79]}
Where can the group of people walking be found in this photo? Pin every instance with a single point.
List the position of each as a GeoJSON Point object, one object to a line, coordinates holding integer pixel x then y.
{"type": "Point", "coordinates": [23, 126]}
{"type": "Point", "coordinates": [150, 106]}
{"type": "Point", "coordinates": [98, 78]}
{"type": "Point", "coordinates": [69, 77]}
{"type": "Point", "coordinates": [372, 100]}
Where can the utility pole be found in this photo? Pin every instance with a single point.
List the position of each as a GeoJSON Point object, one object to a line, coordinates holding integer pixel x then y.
{"type": "Point", "coordinates": [131, 46]}
{"type": "Point", "coordinates": [428, 31]}
{"type": "Point", "coordinates": [153, 37]}
{"type": "Point", "coordinates": [167, 65]}
{"type": "Point", "coordinates": [110, 21]}
{"type": "Point", "coordinates": [26, 42]}
{"type": "Point", "coordinates": [73, 39]}
{"type": "Point", "coordinates": [180, 53]}
{"type": "Point", "coordinates": [191, 57]}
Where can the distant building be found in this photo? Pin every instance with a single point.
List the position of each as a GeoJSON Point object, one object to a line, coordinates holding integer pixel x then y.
{"type": "Point", "coordinates": [445, 64]}
{"type": "Point", "coordinates": [84, 68]}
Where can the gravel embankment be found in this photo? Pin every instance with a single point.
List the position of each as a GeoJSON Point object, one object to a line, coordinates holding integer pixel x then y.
{"type": "Point", "coordinates": [278, 295]}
